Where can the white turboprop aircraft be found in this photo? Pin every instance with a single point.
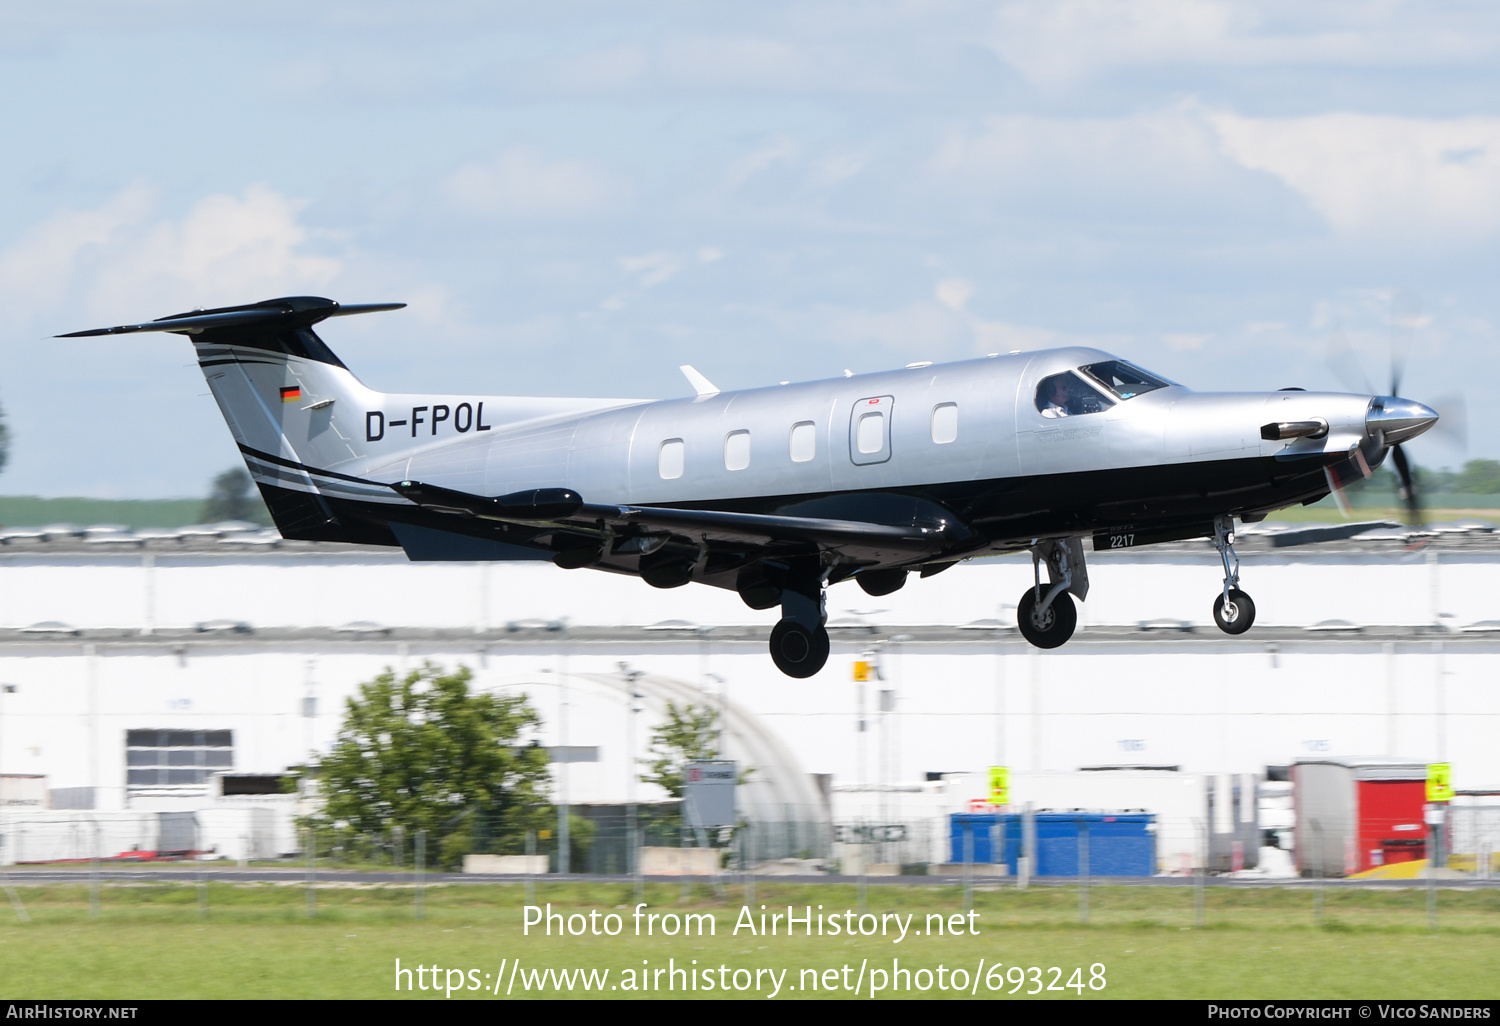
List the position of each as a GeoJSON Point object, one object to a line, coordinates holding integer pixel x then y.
{"type": "Point", "coordinates": [779, 492]}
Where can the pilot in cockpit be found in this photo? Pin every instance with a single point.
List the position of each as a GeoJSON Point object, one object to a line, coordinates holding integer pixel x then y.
{"type": "Point", "coordinates": [1058, 397]}
{"type": "Point", "coordinates": [1065, 395]}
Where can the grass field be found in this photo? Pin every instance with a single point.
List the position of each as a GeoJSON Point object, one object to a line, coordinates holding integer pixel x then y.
{"type": "Point", "coordinates": [256, 940]}
{"type": "Point", "coordinates": [31, 511]}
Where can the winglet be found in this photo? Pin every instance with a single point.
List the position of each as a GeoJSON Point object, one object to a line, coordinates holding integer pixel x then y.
{"type": "Point", "coordinates": [700, 384]}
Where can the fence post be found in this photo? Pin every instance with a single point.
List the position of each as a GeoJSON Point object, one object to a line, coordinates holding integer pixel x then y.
{"type": "Point", "coordinates": [94, 872]}
{"type": "Point", "coordinates": [530, 876]}
{"type": "Point", "coordinates": [1026, 861]}
{"type": "Point", "coordinates": [1317, 830]}
{"type": "Point", "coordinates": [312, 871]}
{"type": "Point", "coordinates": [1199, 871]}
{"type": "Point", "coordinates": [968, 865]}
{"type": "Point", "coordinates": [421, 868]}
{"type": "Point", "coordinates": [1083, 871]}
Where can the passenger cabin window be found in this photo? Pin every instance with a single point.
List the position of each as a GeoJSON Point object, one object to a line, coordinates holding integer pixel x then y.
{"type": "Point", "coordinates": [945, 423]}
{"type": "Point", "coordinates": [1125, 380]}
{"type": "Point", "coordinates": [737, 450]}
{"type": "Point", "coordinates": [669, 459]}
{"type": "Point", "coordinates": [804, 441]}
{"type": "Point", "coordinates": [1067, 395]}
{"type": "Point", "coordinates": [871, 432]}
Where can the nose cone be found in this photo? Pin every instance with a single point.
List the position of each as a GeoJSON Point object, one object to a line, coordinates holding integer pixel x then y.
{"type": "Point", "coordinates": [1398, 420]}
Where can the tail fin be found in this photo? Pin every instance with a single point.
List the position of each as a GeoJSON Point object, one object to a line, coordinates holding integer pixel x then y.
{"type": "Point", "coordinates": [295, 410]}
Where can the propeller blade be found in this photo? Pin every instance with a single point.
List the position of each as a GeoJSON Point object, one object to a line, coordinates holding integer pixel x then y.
{"type": "Point", "coordinates": [1408, 486]}
{"type": "Point", "coordinates": [1406, 315]}
{"type": "Point", "coordinates": [1345, 365]}
{"type": "Point", "coordinates": [1453, 421]}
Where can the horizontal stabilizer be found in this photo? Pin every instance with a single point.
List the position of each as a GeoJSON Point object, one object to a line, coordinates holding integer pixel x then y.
{"type": "Point", "coordinates": [544, 504]}
{"type": "Point", "coordinates": [291, 312]}
{"type": "Point", "coordinates": [427, 545]}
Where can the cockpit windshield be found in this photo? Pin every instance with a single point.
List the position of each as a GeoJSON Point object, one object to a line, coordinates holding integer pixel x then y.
{"type": "Point", "coordinates": [1124, 380]}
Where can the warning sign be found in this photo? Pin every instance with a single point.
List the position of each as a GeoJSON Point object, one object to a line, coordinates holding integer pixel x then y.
{"type": "Point", "coordinates": [999, 785]}
{"type": "Point", "coordinates": [1439, 782]}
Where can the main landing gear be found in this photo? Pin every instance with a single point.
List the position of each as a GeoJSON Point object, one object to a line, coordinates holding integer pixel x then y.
{"type": "Point", "coordinates": [799, 641]}
{"type": "Point", "coordinates": [1234, 611]}
{"type": "Point", "coordinates": [1047, 618]}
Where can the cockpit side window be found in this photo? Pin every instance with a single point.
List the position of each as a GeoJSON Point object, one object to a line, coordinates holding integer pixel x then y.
{"type": "Point", "coordinates": [1124, 380]}
{"type": "Point", "coordinates": [1067, 395]}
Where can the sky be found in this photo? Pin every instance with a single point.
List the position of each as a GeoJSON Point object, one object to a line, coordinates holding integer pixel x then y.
{"type": "Point", "coordinates": [575, 198]}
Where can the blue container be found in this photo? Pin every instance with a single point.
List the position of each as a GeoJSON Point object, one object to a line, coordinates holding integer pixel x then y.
{"type": "Point", "coordinates": [988, 829]}
{"type": "Point", "coordinates": [1119, 843]}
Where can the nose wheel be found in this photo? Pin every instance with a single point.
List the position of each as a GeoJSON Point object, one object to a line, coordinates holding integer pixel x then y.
{"type": "Point", "coordinates": [1047, 627]}
{"type": "Point", "coordinates": [1234, 611]}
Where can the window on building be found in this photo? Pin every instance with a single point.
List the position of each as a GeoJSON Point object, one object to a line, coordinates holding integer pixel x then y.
{"type": "Point", "coordinates": [669, 460]}
{"type": "Point", "coordinates": [804, 441]}
{"type": "Point", "coordinates": [945, 423]}
{"type": "Point", "coordinates": [737, 450]}
{"type": "Point", "coordinates": [176, 758]}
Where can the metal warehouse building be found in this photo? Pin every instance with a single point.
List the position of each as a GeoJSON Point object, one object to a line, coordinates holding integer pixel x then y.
{"type": "Point", "coordinates": [137, 666]}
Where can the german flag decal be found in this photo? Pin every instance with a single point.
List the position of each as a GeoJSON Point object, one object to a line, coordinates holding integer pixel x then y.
{"type": "Point", "coordinates": [291, 393]}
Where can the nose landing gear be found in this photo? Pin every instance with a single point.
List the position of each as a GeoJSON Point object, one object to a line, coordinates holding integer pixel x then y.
{"type": "Point", "coordinates": [1234, 611]}
{"type": "Point", "coordinates": [1048, 617]}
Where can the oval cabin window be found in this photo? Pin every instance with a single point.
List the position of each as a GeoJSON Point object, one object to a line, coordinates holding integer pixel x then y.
{"type": "Point", "coordinates": [737, 450]}
{"type": "Point", "coordinates": [945, 423]}
{"type": "Point", "coordinates": [870, 435]}
{"type": "Point", "coordinates": [669, 460]}
{"type": "Point", "coordinates": [804, 441]}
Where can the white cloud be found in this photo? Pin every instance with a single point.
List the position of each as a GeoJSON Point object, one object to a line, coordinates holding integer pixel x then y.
{"type": "Point", "coordinates": [1182, 342]}
{"type": "Point", "coordinates": [954, 293]}
{"type": "Point", "coordinates": [1055, 43]}
{"type": "Point", "coordinates": [523, 182]}
{"type": "Point", "coordinates": [709, 254]}
{"type": "Point", "coordinates": [781, 149]}
{"type": "Point", "coordinates": [1137, 167]}
{"type": "Point", "coordinates": [653, 268]}
{"type": "Point", "coordinates": [1429, 181]}
{"type": "Point", "coordinates": [118, 259]}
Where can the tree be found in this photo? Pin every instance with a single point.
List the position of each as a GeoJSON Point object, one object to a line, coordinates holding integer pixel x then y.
{"type": "Point", "coordinates": [688, 735]}
{"type": "Point", "coordinates": [424, 753]}
{"type": "Point", "coordinates": [231, 497]}
{"type": "Point", "coordinates": [1479, 477]}
{"type": "Point", "coordinates": [4, 440]}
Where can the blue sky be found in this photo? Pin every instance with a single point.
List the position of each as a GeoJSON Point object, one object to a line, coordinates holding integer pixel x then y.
{"type": "Point", "coordinates": [577, 197]}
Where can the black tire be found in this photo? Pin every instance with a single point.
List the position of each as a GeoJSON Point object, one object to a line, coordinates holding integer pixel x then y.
{"type": "Point", "coordinates": [1052, 628]}
{"type": "Point", "coordinates": [797, 650]}
{"type": "Point", "coordinates": [1241, 615]}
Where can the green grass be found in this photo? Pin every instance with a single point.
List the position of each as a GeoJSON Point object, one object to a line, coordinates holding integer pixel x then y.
{"type": "Point", "coordinates": [31, 511]}
{"type": "Point", "coordinates": [256, 940]}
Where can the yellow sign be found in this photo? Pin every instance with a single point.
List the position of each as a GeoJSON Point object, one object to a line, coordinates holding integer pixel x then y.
{"type": "Point", "coordinates": [862, 671]}
{"type": "Point", "coordinates": [1439, 782]}
{"type": "Point", "coordinates": [999, 785]}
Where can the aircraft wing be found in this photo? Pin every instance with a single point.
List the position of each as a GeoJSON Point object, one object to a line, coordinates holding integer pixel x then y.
{"type": "Point", "coordinates": [563, 510]}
